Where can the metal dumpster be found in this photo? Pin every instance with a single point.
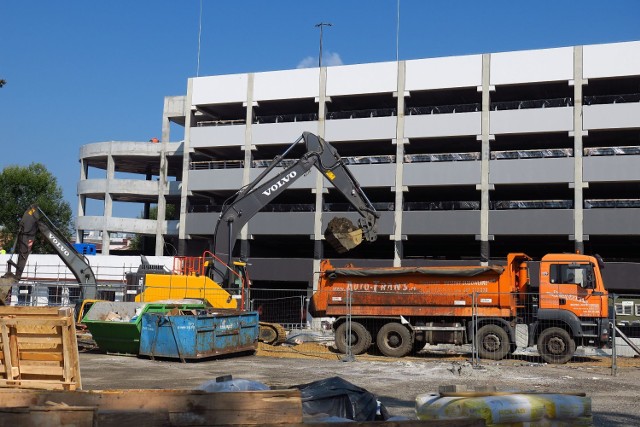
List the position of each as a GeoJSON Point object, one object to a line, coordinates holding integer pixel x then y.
{"type": "Point", "coordinates": [115, 326]}
{"type": "Point", "coordinates": [198, 336]}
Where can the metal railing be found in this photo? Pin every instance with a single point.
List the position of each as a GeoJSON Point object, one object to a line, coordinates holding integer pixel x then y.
{"type": "Point", "coordinates": [532, 103]}
{"type": "Point", "coordinates": [611, 99]}
{"type": "Point", "coordinates": [428, 109]}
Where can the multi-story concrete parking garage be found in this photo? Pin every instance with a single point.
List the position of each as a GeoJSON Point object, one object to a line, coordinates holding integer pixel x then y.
{"type": "Point", "coordinates": [464, 157]}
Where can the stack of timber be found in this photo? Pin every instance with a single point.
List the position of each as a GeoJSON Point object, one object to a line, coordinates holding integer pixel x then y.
{"type": "Point", "coordinates": [38, 348]}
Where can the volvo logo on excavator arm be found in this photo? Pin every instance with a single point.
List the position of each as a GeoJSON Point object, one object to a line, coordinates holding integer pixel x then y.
{"type": "Point", "coordinates": [275, 187]}
{"type": "Point", "coordinates": [59, 245]}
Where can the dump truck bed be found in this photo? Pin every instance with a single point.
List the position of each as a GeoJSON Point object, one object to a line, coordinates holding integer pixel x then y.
{"type": "Point", "coordinates": [414, 291]}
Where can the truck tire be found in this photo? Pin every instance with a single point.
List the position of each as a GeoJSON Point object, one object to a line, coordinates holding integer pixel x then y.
{"type": "Point", "coordinates": [394, 340]}
{"type": "Point", "coordinates": [555, 345]}
{"type": "Point", "coordinates": [360, 338]}
{"type": "Point", "coordinates": [492, 342]}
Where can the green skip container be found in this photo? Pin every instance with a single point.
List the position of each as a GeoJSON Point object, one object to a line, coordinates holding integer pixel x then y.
{"type": "Point", "coordinates": [116, 326]}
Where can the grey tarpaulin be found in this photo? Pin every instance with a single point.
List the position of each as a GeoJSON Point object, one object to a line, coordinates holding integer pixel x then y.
{"type": "Point", "coordinates": [404, 271]}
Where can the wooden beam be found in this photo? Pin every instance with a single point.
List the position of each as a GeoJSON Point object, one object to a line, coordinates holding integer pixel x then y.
{"type": "Point", "coordinates": [185, 407]}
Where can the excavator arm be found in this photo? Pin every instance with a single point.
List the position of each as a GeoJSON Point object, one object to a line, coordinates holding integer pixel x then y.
{"type": "Point", "coordinates": [34, 220]}
{"type": "Point", "coordinates": [249, 200]}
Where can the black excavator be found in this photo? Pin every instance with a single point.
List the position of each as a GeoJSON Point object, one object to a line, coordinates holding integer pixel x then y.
{"type": "Point", "coordinates": [34, 220]}
{"type": "Point", "coordinates": [341, 233]}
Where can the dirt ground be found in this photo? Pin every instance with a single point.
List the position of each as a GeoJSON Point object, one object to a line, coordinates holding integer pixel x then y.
{"type": "Point", "coordinates": [396, 382]}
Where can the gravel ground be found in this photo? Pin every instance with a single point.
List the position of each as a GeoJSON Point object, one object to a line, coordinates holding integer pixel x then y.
{"type": "Point", "coordinates": [396, 382]}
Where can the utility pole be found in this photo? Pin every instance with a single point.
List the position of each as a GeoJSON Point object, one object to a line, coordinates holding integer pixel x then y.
{"type": "Point", "coordinates": [322, 24]}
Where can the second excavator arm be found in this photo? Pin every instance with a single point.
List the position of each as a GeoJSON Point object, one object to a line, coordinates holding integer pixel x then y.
{"type": "Point", "coordinates": [249, 200]}
{"type": "Point", "coordinates": [34, 220]}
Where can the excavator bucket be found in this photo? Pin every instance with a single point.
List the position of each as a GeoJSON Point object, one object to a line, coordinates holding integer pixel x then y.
{"type": "Point", "coordinates": [342, 234]}
{"type": "Point", "coordinates": [6, 282]}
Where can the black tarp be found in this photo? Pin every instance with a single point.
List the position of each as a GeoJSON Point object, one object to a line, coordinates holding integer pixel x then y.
{"type": "Point", "coordinates": [336, 397]}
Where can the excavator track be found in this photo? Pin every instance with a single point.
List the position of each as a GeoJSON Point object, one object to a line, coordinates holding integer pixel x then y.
{"type": "Point", "coordinates": [272, 333]}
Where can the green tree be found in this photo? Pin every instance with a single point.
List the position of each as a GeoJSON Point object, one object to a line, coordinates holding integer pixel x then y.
{"type": "Point", "coordinates": [20, 187]}
{"type": "Point", "coordinates": [137, 241]}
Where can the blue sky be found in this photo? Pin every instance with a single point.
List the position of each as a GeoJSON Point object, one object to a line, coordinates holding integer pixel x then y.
{"type": "Point", "coordinates": [83, 71]}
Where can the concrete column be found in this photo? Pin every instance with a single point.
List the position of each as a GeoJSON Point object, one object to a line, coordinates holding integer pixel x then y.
{"type": "Point", "coordinates": [578, 184]}
{"type": "Point", "coordinates": [485, 138]}
{"type": "Point", "coordinates": [82, 199]}
{"type": "Point", "coordinates": [246, 172]}
{"type": "Point", "coordinates": [184, 195]}
{"type": "Point", "coordinates": [163, 181]}
{"type": "Point", "coordinates": [399, 187]}
{"type": "Point", "coordinates": [108, 205]}
{"type": "Point", "coordinates": [318, 235]}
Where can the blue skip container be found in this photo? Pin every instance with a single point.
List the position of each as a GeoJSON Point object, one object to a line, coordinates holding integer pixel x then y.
{"type": "Point", "coordinates": [199, 335]}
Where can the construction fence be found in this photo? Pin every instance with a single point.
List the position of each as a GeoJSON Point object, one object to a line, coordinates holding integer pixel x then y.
{"type": "Point", "coordinates": [481, 331]}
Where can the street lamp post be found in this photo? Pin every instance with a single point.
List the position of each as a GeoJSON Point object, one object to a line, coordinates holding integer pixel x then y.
{"type": "Point", "coordinates": [320, 25]}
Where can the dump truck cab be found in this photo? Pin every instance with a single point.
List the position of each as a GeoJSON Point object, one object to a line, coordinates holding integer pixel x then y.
{"type": "Point", "coordinates": [573, 282]}
{"type": "Point", "coordinates": [573, 305]}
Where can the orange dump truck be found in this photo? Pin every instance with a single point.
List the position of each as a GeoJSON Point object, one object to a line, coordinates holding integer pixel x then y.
{"type": "Point", "coordinates": [557, 304]}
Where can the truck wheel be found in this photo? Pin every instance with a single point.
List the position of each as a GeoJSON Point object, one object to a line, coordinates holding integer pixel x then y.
{"type": "Point", "coordinates": [492, 342]}
{"type": "Point", "coordinates": [360, 338]}
{"type": "Point", "coordinates": [555, 345]}
{"type": "Point", "coordinates": [394, 340]}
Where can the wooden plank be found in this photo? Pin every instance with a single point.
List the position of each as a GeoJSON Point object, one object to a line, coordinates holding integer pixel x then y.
{"type": "Point", "coordinates": [34, 321]}
{"type": "Point", "coordinates": [50, 340]}
{"type": "Point", "coordinates": [25, 310]}
{"type": "Point", "coordinates": [47, 416]}
{"type": "Point", "coordinates": [71, 358]}
{"type": "Point", "coordinates": [6, 349]}
{"type": "Point", "coordinates": [68, 362]}
{"type": "Point", "coordinates": [52, 371]}
{"type": "Point", "coordinates": [13, 345]}
{"type": "Point", "coordinates": [115, 418]}
{"type": "Point", "coordinates": [248, 407]}
{"type": "Point", "coordinates": [37, 385]}
{"type": "Point", "coordinates": [41, 355]}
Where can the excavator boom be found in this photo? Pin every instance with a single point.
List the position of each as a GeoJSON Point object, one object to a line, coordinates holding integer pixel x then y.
{"type": "Point", "coordinates": [249, 200]}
